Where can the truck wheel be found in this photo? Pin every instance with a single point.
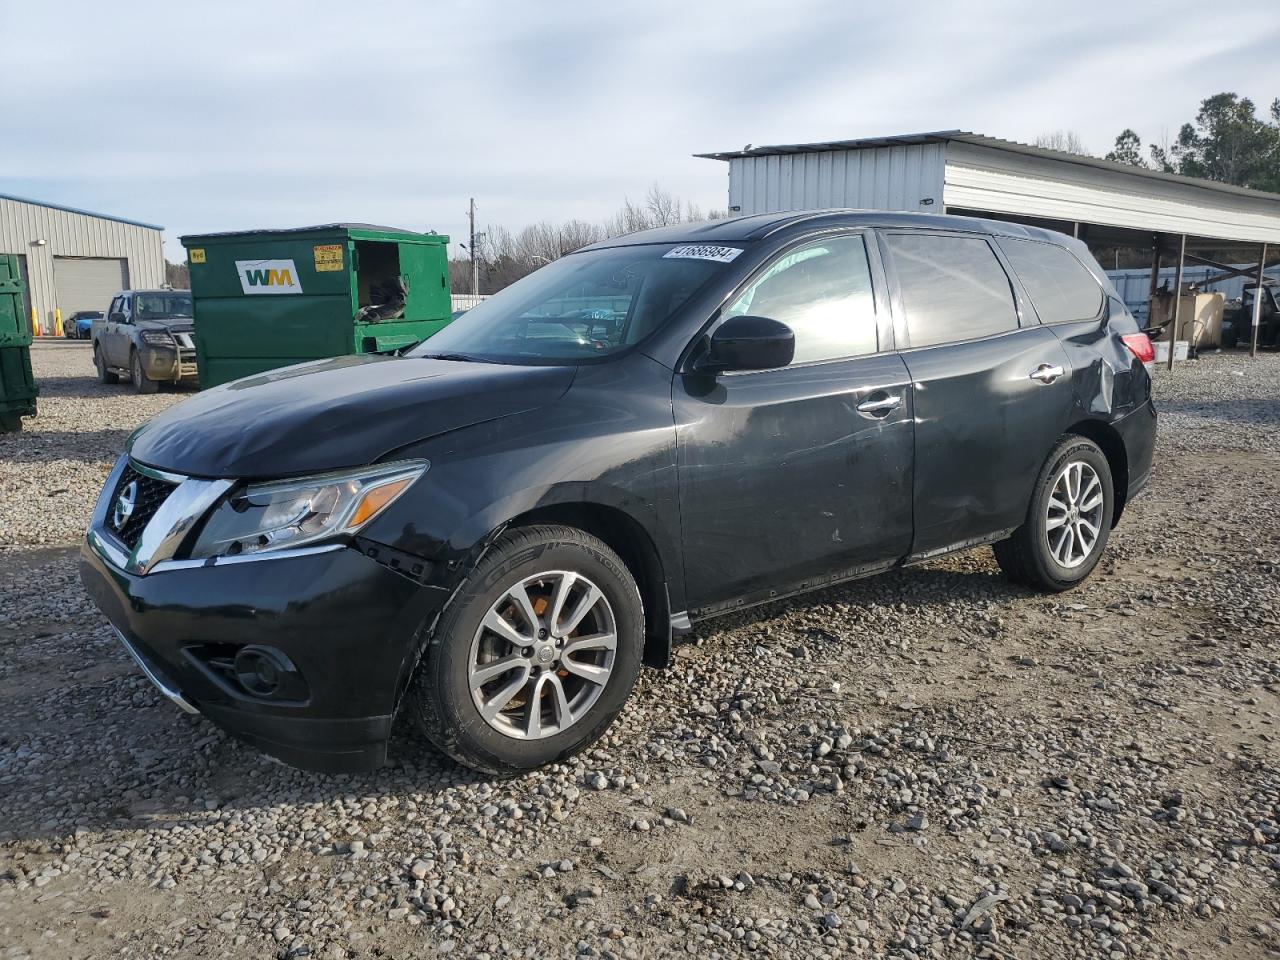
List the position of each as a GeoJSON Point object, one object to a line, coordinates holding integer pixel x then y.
{"type": "Point", "coordinates": [141, 382]}
{"type": "Point", "coordinates": [104, 375]}
{"type": "Point", "coordinates": [536, 654]}
{"type": "Point", "coordinates": [1067, 523]}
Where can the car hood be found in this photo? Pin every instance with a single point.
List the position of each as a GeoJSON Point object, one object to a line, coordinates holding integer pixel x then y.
{"type": "Point", "coordinates": [332, 414]}
{"type": "Point", "coordinates": [176, 325]}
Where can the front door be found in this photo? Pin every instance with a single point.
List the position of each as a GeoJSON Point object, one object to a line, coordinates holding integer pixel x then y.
{"type": "Point", "coordinates": [801, 475]}
{"type": "Point", "coordinates": [992, 388]}
{"type": "Point", "coordinates": [110, 329]}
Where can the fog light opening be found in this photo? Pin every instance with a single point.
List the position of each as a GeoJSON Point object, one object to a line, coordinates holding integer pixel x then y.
{"type": "Point", "coordinates": [260, 670]}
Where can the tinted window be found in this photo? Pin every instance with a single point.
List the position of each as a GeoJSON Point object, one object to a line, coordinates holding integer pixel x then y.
{"type": "Point", "coordinates": [822, 291]}
{"type": "Point", "coordinates": [163, 306]}
{"type": "Point", "coordinates": [953, 288]}
{"type": "Point", "coordinates": [1060, 286]}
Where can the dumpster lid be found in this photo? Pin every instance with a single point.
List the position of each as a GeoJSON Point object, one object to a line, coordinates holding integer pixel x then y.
{"type": "Point", "coordinates": [357, 230]}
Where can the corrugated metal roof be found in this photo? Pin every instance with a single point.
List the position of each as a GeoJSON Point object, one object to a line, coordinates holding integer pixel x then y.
{"type": "Point", "coordinates": [83, 213]}
{"type": "Point", "coordinates": [900, 140]}
{"type": "Point", "coordinates": [978, 139]}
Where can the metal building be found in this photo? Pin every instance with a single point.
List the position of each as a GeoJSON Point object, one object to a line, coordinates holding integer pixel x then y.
{"type": "Point", "coordinates": [1107, 204]}
{"type": "Point", "coordinates": [73, 260]}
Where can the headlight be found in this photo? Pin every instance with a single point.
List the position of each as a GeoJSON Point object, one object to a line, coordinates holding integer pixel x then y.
{"type": "Point", "coordinates": [157, 338]}
{"type": "Point", "coordinates": [291, 513]}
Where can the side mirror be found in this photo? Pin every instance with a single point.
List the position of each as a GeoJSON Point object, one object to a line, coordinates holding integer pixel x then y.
{"type": "Point", "coordinates": [117, 318]}
{"type": "Point", "coordinates": [749, 343]}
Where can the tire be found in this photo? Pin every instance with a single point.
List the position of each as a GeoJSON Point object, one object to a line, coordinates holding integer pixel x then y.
{"type": "Point", "coordinates": [141, 382]}
{"type": "Point", "coordinates": [1034, 555]}
{"type": "Point", "coordinates": [440, 697]}
{"type": "Point", "coordinates": [104, 375]}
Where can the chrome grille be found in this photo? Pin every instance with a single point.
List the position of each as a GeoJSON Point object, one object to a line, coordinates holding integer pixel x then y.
{"type": "Point", "coordinates": [148, 495]}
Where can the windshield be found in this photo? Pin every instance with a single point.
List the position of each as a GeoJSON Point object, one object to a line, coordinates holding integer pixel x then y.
{"type": "Point", "coordinates": [584, 306]}
{"type": "Point", "coordinates": [163, 306]}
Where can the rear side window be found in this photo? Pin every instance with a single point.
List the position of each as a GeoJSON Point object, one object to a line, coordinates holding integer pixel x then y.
{"type": "Point", "coordinates": [1060, 286]}
{"type": "Point", "coordinates": [822, 291]}
{"type": "Point", "coordinates": [953, 288]}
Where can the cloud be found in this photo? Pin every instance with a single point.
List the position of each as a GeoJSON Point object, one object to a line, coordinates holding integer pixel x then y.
{"type": "Point", "coordinates": [247, 114]}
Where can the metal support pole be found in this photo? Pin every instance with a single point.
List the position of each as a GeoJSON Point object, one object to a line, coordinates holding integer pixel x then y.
{"type": "Point", "coordinates": [1257, 301]}
{"type": "Point", "coordinates": [1155, 277]}
{"type": "Point", "coordinates": [475, 266]}
{"type": "Point", "coordinates": [1177, 300]}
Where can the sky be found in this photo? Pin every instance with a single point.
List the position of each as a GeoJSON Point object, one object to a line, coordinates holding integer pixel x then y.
{"type": "Point", "coordinates": [226, 115]}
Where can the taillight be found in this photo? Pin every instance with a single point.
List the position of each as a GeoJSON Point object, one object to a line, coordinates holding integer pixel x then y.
{"type": "Point", "coordinates": [1139, 345]}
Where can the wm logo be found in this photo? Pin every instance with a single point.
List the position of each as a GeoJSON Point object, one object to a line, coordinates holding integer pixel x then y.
{"type": "Point", "coordinates": [268, 276]}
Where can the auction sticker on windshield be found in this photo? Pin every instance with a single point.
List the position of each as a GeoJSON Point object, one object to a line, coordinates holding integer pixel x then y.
{"type": "Point", "coordinates": [702, 251]}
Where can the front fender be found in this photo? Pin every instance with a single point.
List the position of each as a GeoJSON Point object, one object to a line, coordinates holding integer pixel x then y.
{"type": "Point", "coordinates": [610, 445]}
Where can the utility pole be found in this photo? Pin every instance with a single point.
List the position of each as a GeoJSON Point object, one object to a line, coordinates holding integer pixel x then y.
{"type": "Point", "coordinates": [475, 266]}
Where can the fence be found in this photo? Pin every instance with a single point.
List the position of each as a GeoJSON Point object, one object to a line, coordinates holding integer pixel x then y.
{"type": "Point", "coordinates": [465, 301]}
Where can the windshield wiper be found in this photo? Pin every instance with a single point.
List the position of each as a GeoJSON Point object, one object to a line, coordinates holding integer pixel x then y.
{"type": "Point", "coordinates": [462, 357]}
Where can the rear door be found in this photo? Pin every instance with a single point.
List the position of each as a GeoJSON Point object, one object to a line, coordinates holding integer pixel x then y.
{"type": "Point", "coordinates": [992, 387]}
{"type": "Point", "coordinates": [792, 477]}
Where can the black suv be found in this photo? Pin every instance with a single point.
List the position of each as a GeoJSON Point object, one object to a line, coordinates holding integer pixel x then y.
{"type": "Point", "coordinates": [491, 532]}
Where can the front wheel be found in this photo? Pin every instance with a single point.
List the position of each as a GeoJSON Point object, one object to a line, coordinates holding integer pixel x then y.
{"type": "Point", "coordinates": [1067, 523]}
{"type": "Point", "coordinates": [104, 375]}
{"type": "Point", "coordinates": [535, 656]}
{"type": "Point", "coordinates": [141, 382]}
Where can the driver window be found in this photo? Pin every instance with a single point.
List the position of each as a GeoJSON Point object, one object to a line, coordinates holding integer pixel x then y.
{"type": "Point", "coordinates": [822, 291]}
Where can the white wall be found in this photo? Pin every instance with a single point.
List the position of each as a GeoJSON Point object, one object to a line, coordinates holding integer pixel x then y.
{"type": "Point", "coordinates": [879, 178]}
{"type": "Point", "coordinates": [983, 178]}
{"type": "Point", "coordinates": [69, 234]}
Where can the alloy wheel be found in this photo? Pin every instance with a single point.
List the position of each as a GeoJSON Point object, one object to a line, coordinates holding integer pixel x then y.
{"type": "Point", "coordinates": [542, 655]}
{"type": "Point", "coordinates": [1073, 514]}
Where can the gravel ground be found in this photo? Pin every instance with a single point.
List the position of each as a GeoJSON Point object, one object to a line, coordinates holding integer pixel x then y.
{"type": "Point", "coordinates": [931, 763]}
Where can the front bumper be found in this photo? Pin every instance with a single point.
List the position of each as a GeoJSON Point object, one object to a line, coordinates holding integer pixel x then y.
{"type": "Point", "coordinates": [349, 625]}
{"type": "Point", "coordinates": [166, 364]}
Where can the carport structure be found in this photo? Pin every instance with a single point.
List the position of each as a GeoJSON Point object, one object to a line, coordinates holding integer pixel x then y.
{"type": "Point", "coordinates": [1107, 204]}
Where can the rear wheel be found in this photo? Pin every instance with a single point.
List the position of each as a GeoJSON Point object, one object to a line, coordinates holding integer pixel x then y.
{"type": "Point", "coordinates": [535, 656]}
{"type": "Point", "coordinates": [141, 382]}
{"type": "Point", "coordinates": [1067, 523]}
{"type": "Point", "coordinates": [104, 375]}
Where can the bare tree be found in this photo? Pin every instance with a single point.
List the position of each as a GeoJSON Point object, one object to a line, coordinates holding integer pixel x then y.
{"type": "Point", "coordinates": [177, 275]}
{"type": "Point", "coordinates": [1064, 141]}
{"type": "Point", "coordinates": [505, 257]}
{"type": "Point", "coordinates": [664, 207]}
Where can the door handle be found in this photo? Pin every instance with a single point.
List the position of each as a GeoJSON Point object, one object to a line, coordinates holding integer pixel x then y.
{"type": "Point", "coordinates": [881, 407]}
{"type": "Point", "coordinates": [1046, 373]}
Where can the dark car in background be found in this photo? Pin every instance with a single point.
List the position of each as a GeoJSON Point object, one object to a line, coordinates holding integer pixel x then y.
{"type": "Point", "coordinates": [148, 337]}
{"type": "Point", "coordinates": [79, 325]}
{"type": "Point", "coordinates": [493, 531]}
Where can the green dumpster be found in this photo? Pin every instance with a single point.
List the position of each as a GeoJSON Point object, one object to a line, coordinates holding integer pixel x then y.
{"type": "Point", "coordinates": [17, 385]}
{"type": "Point", "coordinates": [270, 298]}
